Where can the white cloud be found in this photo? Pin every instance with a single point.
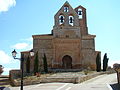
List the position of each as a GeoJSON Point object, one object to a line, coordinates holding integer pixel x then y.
{"type": "Point", "coordinates": [30, 39]}
{"type": "Point", "coordinates": [6, 4]}
{"type": "Point", "coordinates": [28, 44]}
{"type": "Point", "coordinates": [4, 58]}
{"type": "Point", "coordinates": [20, 46]}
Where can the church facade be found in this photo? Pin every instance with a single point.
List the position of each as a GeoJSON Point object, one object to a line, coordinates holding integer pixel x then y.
{"type": "Point", "coordinates": [69, 46]}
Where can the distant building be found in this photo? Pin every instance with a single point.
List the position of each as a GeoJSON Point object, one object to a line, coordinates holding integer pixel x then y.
{"type": "Point", "coordinates": [69, 46]}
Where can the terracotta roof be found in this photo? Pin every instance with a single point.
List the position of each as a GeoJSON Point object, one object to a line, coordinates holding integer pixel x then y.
{"type": "Point", "coordinates": [80, 7]}
{"type": "Point", "coordinates": [88, 36]}
{"type": "Point", "coordinates": [25, 51]}
{"type": "Point", "coordinates": [43, 35]}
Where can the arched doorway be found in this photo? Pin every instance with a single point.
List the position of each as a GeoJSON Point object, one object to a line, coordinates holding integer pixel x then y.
{"type": "Point", "coordinates": [67, 62]}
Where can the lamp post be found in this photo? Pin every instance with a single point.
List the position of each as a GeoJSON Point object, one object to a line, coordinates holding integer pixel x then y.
{"type": "Point", "coordinates": [22, 62]}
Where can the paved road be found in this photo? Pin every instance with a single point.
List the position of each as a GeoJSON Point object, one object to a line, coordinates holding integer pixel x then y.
{"type": "Point", "coordinates": [101, 82]}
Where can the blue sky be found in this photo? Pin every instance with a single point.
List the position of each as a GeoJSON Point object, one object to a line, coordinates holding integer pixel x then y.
{"type": "Point", "coordinates": [20, 19]}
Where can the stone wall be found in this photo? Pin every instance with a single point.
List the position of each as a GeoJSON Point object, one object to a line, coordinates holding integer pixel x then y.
{"type": "Point", "coordinates": [117, 69]}
{"type": "Point", "coordinates": [88, 52]}
{"type": "Point", "coordinates": [81, 51]}
{"type": "Point", "coordinates": [64, 47]}
{"type": "Point", "coordinates": [14, 74]}
{"type": "Point", "coordinates": [43, 44]}
{"type": "Point", "coordinates": [88, 44]}
{"type": "Point", "coordinates": [31, 58]}
{"type": "Point", "coordinates": [73, 79]}
{"type": "Point", "coordinates": [63, 32]}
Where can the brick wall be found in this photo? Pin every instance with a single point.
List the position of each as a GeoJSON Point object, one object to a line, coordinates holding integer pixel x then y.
{"type": "Point", "coordinates": [117, 69]}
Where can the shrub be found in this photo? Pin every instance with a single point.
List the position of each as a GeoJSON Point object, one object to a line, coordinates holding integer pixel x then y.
{"type": "Point", "coordinates": [36, 64]}
{"type": "Point", "coordinates": [98, 63]}
{"type": "Point", "coordinates": [45, 64]}
{"type": "Point", "coordinates": [105, 62]}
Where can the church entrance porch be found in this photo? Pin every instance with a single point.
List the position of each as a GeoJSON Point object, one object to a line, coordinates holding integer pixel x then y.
{"type": "Point", "coordinates": [67, 62]}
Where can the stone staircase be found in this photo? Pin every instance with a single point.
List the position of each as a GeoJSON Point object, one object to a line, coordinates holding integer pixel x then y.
{"type": "Point", "coordinates": [4, 81]}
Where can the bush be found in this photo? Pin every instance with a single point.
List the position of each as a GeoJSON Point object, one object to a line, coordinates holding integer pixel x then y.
{"type": "Point", "coordinates": [98, 63]}
{"type": "Point", "coordinates": [45, 64]}
{"type": "Point", "coordinates": [28, 65]}
{"type": "Point", "coordinates": [105, 62]}
{"type": "Point", "coordinates": [36, 64]}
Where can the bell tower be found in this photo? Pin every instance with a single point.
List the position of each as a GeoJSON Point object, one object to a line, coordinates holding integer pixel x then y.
{"type": "Point", "coordinates": [66, 23]}
{"type": "Point", "coordinates": [81, 11]}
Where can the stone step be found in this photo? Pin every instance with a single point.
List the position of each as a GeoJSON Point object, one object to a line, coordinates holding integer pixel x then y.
{"type": "Point", "coordinates": [4, 76]}
{"type": "Point", "coordinates": [4, 81]}
{"type": "Point", "coordinates": [65, 70]}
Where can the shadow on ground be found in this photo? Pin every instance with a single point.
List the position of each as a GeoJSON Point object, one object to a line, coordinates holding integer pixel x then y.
{"type": "Point", "coordinates": [115, 86]}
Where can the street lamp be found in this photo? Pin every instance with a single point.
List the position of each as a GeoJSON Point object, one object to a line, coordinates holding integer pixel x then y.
{"type": "Point", "coordinates": [14, 54]}
{"type": "Point", "coordinates": [22, 66]}
{"type": "Point", "coordinates": [31, 52]}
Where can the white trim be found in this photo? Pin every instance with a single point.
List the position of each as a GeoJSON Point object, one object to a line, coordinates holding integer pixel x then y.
{"type": "Point", "coordinates": [109, 86]}
{"type": "Point", "coordinates": [68, 88]}
{"type": "Point", "coordinates": [62, 86]}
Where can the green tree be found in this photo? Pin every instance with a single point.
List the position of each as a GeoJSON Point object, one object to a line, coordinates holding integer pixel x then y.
{"type": "Point", "coordinates": [105, 62]}
{"type": "Point", "coordinates": [45, 64]}
{"type": "Point", "coordinates": [28, 65]}
{"type": "Point", "coordinates": [98, 63]}
{"type": "Point", "coordinates": [36, 64]}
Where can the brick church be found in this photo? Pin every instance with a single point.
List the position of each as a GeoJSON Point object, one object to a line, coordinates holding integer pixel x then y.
{"type": "Point", "coordinates": [69, 46]}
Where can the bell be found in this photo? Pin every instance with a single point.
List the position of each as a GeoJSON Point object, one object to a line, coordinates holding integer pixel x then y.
{"type": "Point", "coordinates": [61, 19]}
{"type": "Point", "coordinates": [79, 12]}
{"type": "Point", "coordinates": [71, 20]}
{"type": "Point", "coordinates": [65, 9]}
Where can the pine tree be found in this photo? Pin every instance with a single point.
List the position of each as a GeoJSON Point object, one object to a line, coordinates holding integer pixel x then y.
{"type": "Point", "coordinates": [36, 64]}
{"type": "Point", "coordinates": [28, 65]}
{"type": "Point", "coordinates": [45, 64]}
{"type": "Point", "coordinates": [98, 63]}
{"type": "Point", "coordinates": [105, 62]}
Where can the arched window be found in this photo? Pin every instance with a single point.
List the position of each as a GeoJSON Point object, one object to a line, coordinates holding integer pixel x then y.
{"type": "Point", "coordinates": [71, 20]}
{"type": "Point", "coordinates": [66, 9]}
{"type": "Point", "coordinates": [79, 12]}
{"type": "Point", "coordinates": [61, 19]}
